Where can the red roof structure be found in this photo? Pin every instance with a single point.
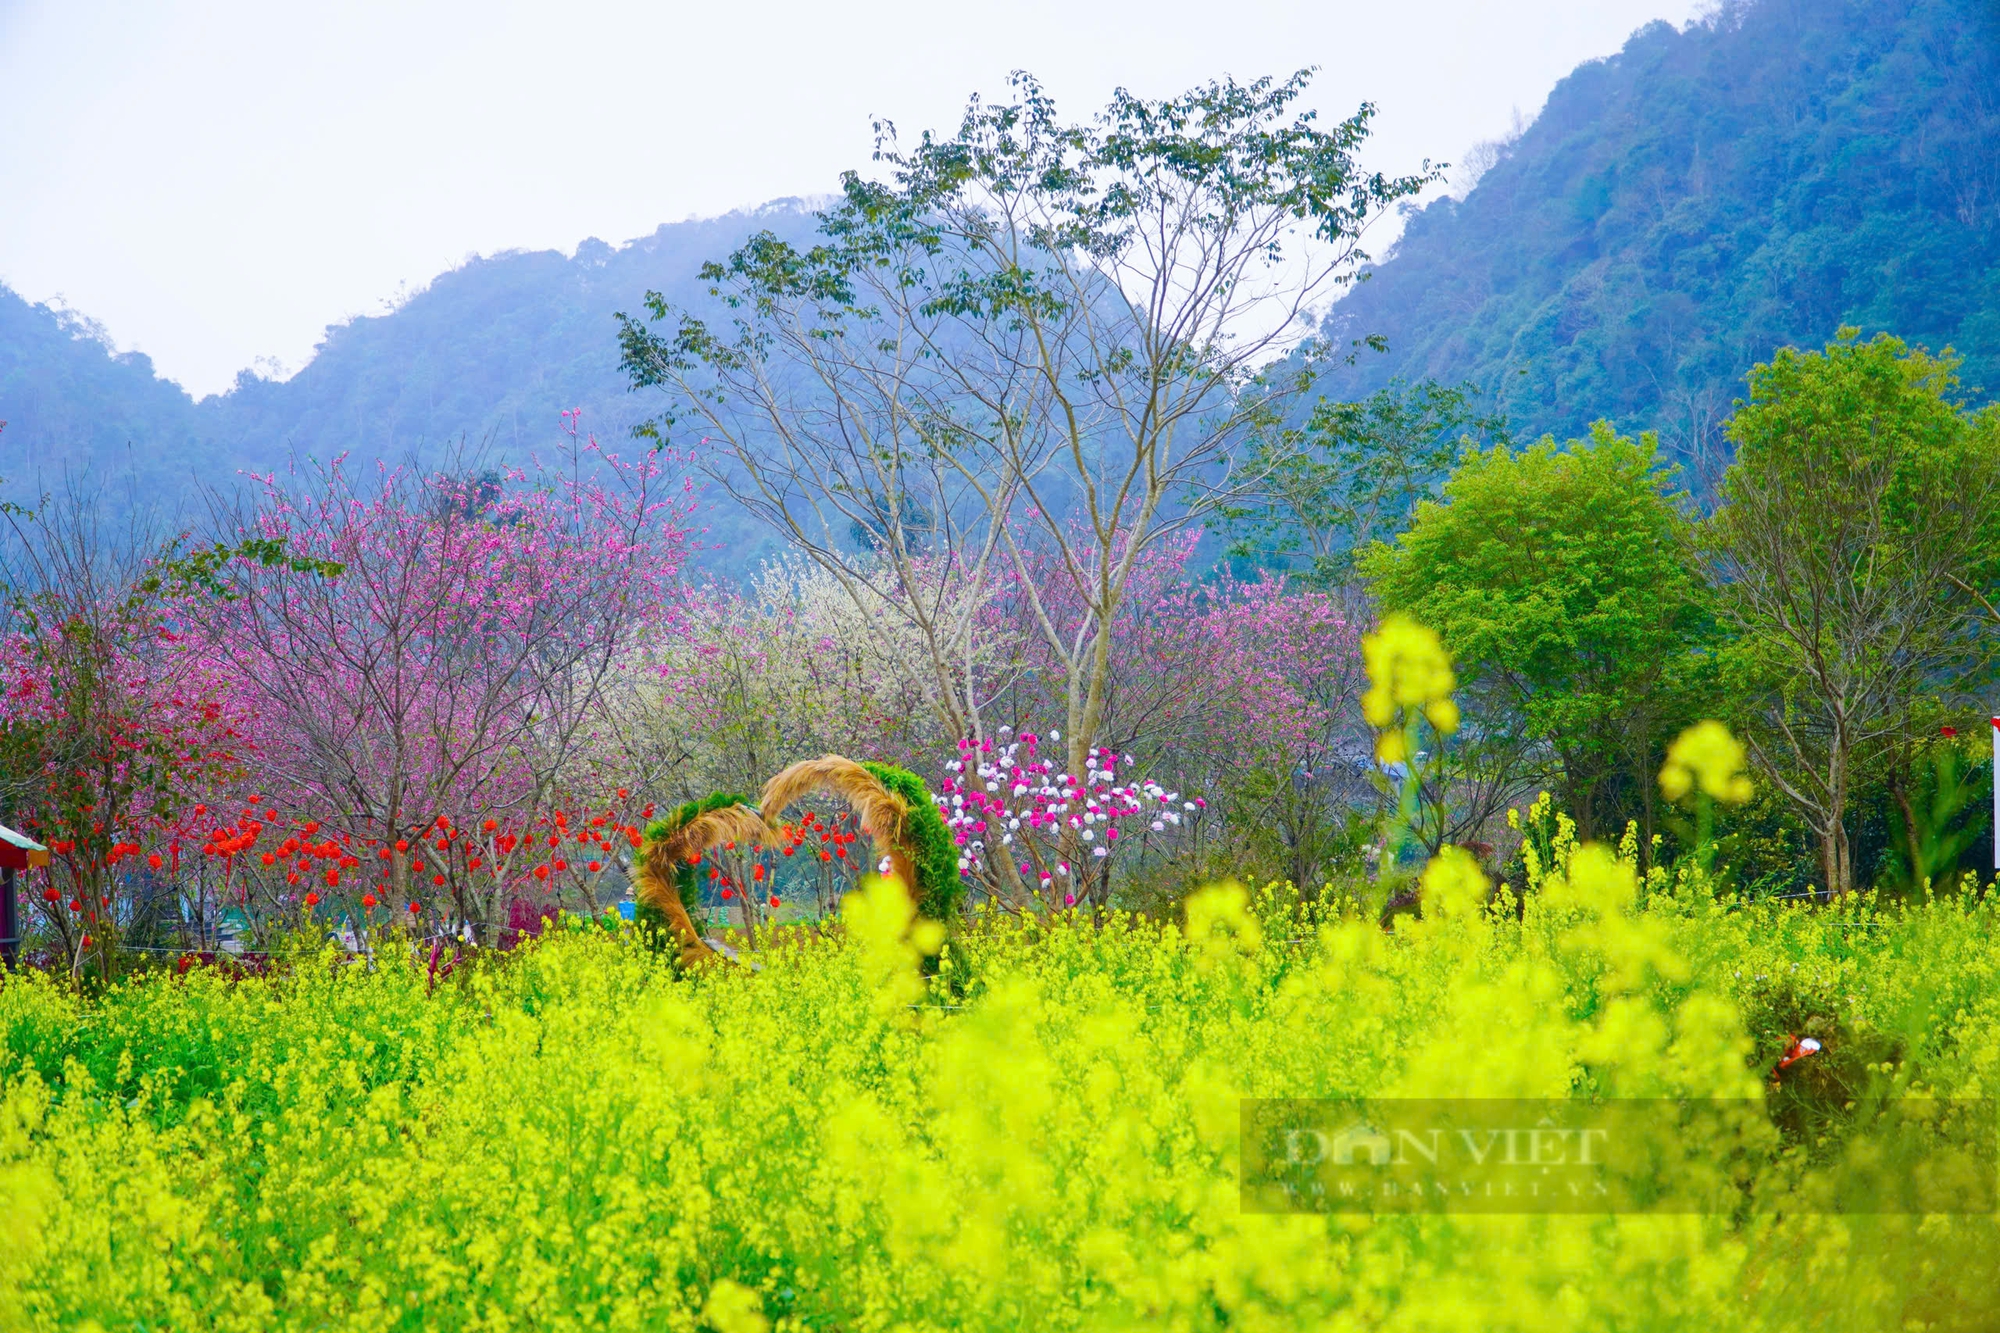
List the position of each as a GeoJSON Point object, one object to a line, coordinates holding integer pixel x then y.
{"type": "Point", "coordinates": [18, 851]}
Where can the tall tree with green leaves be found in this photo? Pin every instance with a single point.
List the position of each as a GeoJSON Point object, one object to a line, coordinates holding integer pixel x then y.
{"type": "Point", "coordinates": [1353, 474]}
{"type": "Point", "coordinates": [1564, 582]}
{"type": "Point", "coordinates": [1024, 356]}
{"type": "Point", "coordinates": [1858, 538]}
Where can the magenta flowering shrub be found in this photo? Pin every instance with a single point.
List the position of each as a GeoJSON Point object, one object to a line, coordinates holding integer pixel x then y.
{"type": "Point", "coordinates": [356, 695]}
{"type": "Point", "coordinates": [1022, 822]}
{"type": "Point", "coordinates": [441, 647]}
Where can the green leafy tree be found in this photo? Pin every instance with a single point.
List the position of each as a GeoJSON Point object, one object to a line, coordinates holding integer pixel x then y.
{"type": "Point", "coordinates": [1354, 473]}
{"type": "Point", "coordinates": [1859, 544]}
{"type": "Point", "coordinates": [1564, 583]}
{"type": "Point", "coordinates": [1026, 355]}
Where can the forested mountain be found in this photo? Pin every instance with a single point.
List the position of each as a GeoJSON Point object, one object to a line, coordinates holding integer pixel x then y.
{"type": "Point", "coordinates": [1682, 208]}
{"type": "Point", "coordinates": [492, 352]}
{"type": "Point", "coordinates": [1674, 213]}
{"type": "Point", "coordinates": [68, 402]}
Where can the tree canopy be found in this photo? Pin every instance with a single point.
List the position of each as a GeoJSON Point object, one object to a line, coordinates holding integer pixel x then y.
{"type": "Point", "coordinates": [1859, 540]}
{"type": "Point", "coordinates": [1564, 582]}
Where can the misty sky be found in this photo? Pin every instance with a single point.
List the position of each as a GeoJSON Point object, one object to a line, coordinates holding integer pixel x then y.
{"type": "Point", "coordinates": [216, 182]}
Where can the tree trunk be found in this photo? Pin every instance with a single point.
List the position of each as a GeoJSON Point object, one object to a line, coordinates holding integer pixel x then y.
{"type": "Point", "coordinates": [1840, 868]}
{"type": "Point", "coordinates": [1900, 792]}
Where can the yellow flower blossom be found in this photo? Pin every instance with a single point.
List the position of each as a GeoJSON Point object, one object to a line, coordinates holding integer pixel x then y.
{"type": "Point", "coordinates": [1454, 885]}
{"type": "Point", "coordinates": [1392, 747]}
{"type": "Point", "coordinates": [1443, 715]}
{"type": "Point", "coordinates": [1708, 757]}
{"type": "Point", "coordinates": [734, 1308]}
{"type": "Point", "coordinates": [1407, 668]}
{"type": "Point", "coordinates": [577, 1135]}
{"type": "Point", "coordinates": [1408, 673]}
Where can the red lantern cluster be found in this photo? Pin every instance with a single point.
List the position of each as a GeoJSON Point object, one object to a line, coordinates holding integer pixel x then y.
{"type": "Point", "coordinates": [314, 863]}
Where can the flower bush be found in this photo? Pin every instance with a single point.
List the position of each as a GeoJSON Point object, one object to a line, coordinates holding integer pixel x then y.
{"type": "Point", "coordinates": [1012, 812]}
{"type": "Point", "coordinates": [356, 698]}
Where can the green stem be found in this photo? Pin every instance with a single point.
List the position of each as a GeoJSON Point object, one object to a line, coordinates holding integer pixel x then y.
{"type": "Point", "coordinates": [1704, 833]}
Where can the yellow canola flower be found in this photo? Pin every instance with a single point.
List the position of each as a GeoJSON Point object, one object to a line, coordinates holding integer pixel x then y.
{"type": "Point", "coordinates": [1408, 669]}
{"type": "Point", "coordinates": [1061, 1147]}
{"type": "Point", "coordinates": [1706, 756]}
{"type": "Point", "coordinates": [1443, 714]}
{"type": "Point", "coordinates": [1392, 747]}
{"type": "Point", "coordinates": [1221, 908]}
{"type": "Point", "coordinates": [893, 941]}
{"type": "Point", "coordinates": [734, 1308]}
{"type": "Point", "coordinates": [1454, 885]}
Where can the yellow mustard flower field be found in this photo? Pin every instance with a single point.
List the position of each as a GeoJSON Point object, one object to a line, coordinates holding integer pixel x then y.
{"type": "Point", "coordinates": [1039, 1130]}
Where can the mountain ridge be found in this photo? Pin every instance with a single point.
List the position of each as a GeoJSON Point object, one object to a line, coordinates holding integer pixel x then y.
{"type": "Point", "coordinates": [484, 358]}
{"type": "Point", "coordinates": [1680, 209]}
{"type": "Point", "coordinates": [1674, 213]}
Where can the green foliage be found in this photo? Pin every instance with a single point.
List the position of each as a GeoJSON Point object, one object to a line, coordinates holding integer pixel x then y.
{"type": "Point", "coordinates": [682, 815]}
{"type": "Point", "coordinates": [1563, 582]}
{"type": "Point", "coordinates": [1756, 179]}
{"type": "Point", "coordinates": [940, 889]}
{"type": "Point", "coordinates": [200, 569]}
{"type": "Point", "coordinates": [1858, 537]}
{"type": "Point", "coordinates": [575, 1137]}
{"type": "Point", "coordinates": [1940, 808]}
{"type": "Point", "coordinates": [1354, 472]}
{"type": "Point", "coordinates": [1861, 423]}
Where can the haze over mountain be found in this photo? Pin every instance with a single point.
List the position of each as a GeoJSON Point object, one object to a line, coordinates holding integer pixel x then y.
{"type": "Point", "coordinates": [1674, 213]}
{"type": "Point", "coordinates": [486, 358]}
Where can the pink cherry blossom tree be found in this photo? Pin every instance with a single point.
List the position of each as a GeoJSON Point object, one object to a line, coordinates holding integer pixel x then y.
{"type": "Point", "coordinates": [439, 648]}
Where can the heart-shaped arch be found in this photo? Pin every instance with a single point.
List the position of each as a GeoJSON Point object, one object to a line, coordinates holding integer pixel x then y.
{"type": "Point", "coordinates": [892, 804]}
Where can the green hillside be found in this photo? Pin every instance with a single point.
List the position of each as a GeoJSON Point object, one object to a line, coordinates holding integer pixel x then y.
{"type": "Point", "coordinates": [69, 402]}
{"type": "Point", "coordinates": [1706, 195]}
